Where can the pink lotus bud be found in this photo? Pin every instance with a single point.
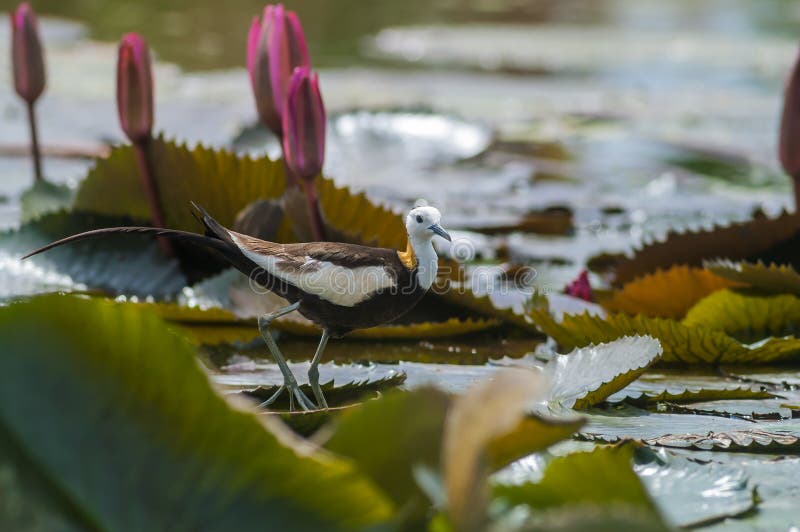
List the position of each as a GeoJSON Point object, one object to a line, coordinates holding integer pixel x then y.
{"type": "Point", "coordinates": [790, 124]}
{"type": "Point", "coordinates": [276, 45]}
{"type": "Point", "coordinates": [580, 287]}
{"type": "Point", "coordinates": [304, 125]}
{"type": "Point", "coordinates": [134, 88]}
{"type": "Point", "coordinates": [26, 54]}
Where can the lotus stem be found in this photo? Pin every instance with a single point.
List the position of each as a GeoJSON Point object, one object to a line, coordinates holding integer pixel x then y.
{"type": "Point", "coordinates": [314, 214]}
{"type": "Point", "coordinates": [35, 153]}
{"type": "Point", "coordinates": [151, 191]}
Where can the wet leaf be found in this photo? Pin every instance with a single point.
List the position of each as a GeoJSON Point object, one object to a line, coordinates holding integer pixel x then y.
{"type": "Point", "coordinates": [336, 395]}
{"type": "Point", "coordinates": [409, 428]}
{"type": "Point", "coordinates": [642, 394]}
{"type": "Point", "coordinates": [44, 197]}
{"type": "Point", "coordinates": [602, 477]}
{"type": "Point", "coordinates": [750, 240]}
{"type": "Point", "coordinates": [132, 265]}
{"type": "Point", "coordinates": [691, 493]}
{"type": "Point", "coordinates": [139, 440]}
{"type": "Point", "coordinates": [746, 317]}
{"type": "Point", "coordinates": [665, 294]}
{"type": "Point", "coordinates": [597, 518]}
{"type": "Point", "coordinates": [533, 432]}
{"type": "Point", "coordinates": [751, 441]}
{"type": "Point", "coordinates": [770, 279]}
{"type": "Point", "coordinates": [587, 376]}
{"type": "Point", "coordinates": [681, 343]}
{"type": "Point", "coordinates": [220, 181]}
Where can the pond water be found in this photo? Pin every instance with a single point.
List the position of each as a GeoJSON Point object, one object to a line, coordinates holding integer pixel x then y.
{"type": "Point", "coordinates": [634, 116]}
{"type": "Point", "coordinates": [547, 131]}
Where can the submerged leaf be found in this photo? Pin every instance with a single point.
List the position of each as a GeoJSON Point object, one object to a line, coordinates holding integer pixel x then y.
{"type": "Point", "coordinates": [127, 431]}
{"type": "Point", "coordinates": [665, 294]}
{"type": "Point", "coordinates": [588, 375]}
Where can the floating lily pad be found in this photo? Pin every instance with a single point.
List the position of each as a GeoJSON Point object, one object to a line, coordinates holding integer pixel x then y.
{"type": "Point", "coordinates": [690, 493]}
{"type": "Point", "coordinates": [131, 265]}
{"type": "Point", "coordinates": [680, 388]}
{"type": "Point", "coordinates": [336, 395]}
{"type": "Point", "coordinates": [665, 294]}
{"type": "Point", "coordinates": [770, 279]}
{"type": "Point", "coordinates": [751, 441]}
{"type": "Point", "coordinates": [113, 371]}
{"type": "Point", "coordinates": [747, 317]}
{"type": "Point", "coordinates": [695, 344]}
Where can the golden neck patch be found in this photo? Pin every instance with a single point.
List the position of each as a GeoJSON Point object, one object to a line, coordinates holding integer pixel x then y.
{"type": "Point", "coordinates": [408, 257]}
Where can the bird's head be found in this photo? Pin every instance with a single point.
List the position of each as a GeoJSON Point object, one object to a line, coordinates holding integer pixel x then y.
{"type": "Point", "coordinates": [423, 223]}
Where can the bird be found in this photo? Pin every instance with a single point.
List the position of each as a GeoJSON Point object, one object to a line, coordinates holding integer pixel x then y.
{"type": "Point", "coordinates": [340, 287]}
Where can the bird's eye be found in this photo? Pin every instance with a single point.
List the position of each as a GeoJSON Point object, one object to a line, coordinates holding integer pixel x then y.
{"type": "Point", "coordinates": [419, 219]}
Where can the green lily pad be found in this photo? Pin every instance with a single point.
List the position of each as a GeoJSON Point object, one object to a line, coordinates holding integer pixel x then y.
{"type": "Point", "coordinates": [746, 317]}
{"type": "Point", "coordinates": [44, 197]}
{"type": "Point", "coordinates": [686, 344]}
{"type": "Point", "coordinates": [125, 432]}
{"type": "Point", "coordinates": [409, 428]}
{"type": "Point", "coordinates": [770, 279]}
{"type": "Point", "coordinates": [341, 395]}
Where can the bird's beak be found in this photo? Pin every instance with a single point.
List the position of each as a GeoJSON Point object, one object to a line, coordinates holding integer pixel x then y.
{"type": "Point", "coordinates": [439, 230]}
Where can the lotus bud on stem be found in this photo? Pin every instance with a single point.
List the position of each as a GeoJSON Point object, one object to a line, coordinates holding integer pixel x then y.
{"type": "Point", "coordinates": [27, 60]}
{"type": "Point", "coordinates": [789, 142]}
{"type": "Point", "coordinates": [135, 109]}
{"type": "Point", "coordinates": [304, 138]}
{"type": "Point", "coordinates": [276, 45]}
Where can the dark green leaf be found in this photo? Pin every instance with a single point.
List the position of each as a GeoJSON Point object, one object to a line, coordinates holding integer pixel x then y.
{"type": "Point", "coordinates": [125, 430]}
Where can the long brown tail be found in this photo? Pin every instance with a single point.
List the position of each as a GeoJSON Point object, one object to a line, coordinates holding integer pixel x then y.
{"type": "Point", "coordinates": [206, 241]}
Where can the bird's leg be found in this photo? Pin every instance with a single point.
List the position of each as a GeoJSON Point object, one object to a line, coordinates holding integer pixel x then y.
{"type": "Point", "coordinates": [289, 382]}
{"type": "Point", "coordinates": [313, 371]}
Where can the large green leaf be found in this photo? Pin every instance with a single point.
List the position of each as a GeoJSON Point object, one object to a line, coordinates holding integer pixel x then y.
{"type": "Point", "coordinates": [603, 477]}
{"type": "Point", "coordinates": [770, 279]}
{"type": "Point", "coordinates": [687, 344]}
{"type": "Point", "coordinates": [221, 181]}
{"type": "Point", "coordinates": [588, 375]}
{"type": "Point", "coordinates": [746, 317]}
{"type": "Point", "coordinates": [131, 265]}
{"type": "Point", "coordinates": [112, 415]}
{"type": "Point", "coordinates": [678, 387]}
{"type": "Point", "coordinates": [408, 427]}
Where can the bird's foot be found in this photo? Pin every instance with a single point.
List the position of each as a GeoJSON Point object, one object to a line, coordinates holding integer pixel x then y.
{"type": "Point", "coordinates": [295, 394]}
